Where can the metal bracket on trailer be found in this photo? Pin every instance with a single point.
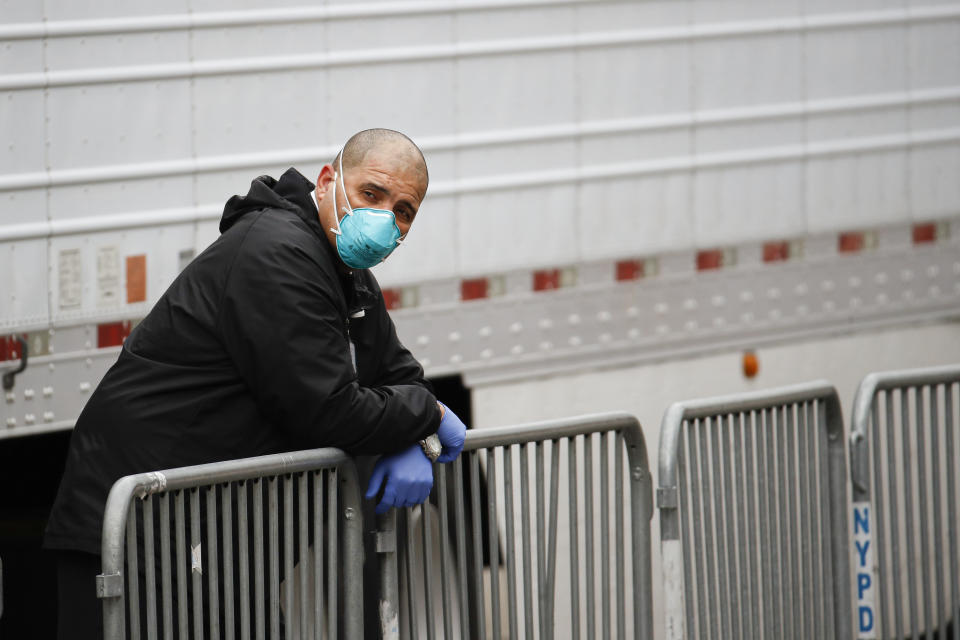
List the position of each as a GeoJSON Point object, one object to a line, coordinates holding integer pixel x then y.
{"type": "Point", "coordinates": [110, 585]}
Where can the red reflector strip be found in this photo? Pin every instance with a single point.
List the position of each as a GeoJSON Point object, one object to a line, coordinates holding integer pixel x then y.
{"type": "Point", "coordinates": [630, 270]}
{"type": "Point", "coordinates": [546, 279]}
{"type": "Point", "coordinates": [7, 348]}
{"type": "Point", "coordinates": [474, 289]}
{"type": "Point", "coordinates": [393, 298]}
{"type": "Point", "coordinates": [850, 242]}
{"type": "Point", "coordinates": [776, 251]}
{"type": "Point", "coordinates": [709, 259]}
{"type": "Point", "coordinates": [112, 334]}
{"type": "Point", "coordinates": [924, 233]}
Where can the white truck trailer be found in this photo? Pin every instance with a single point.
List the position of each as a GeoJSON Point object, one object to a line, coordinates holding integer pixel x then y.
{"type": "Point", "coordinates": [625, 196]}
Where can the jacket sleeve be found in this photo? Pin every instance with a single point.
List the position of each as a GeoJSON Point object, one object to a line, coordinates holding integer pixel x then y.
{"type": "Point", "coordinates": [397, 364]}
{"type": "Point", "coordinates": [282, 324]}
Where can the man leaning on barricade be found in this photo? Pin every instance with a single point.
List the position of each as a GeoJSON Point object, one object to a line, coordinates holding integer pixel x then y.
{"type": "Point", "coordinates": [275, 338]}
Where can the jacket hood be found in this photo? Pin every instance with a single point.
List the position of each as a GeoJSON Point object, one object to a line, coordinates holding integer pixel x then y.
{"type": "Point", "coordinates": [291, 192]}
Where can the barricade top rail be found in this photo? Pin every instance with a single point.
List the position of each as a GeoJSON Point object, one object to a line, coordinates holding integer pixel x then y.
{"type": "Point", "coordinates": [885, 380]}
{"type": "Point", "coordinates": [554, 429]}
{"type": "Point", "coordinates": [675, 415]}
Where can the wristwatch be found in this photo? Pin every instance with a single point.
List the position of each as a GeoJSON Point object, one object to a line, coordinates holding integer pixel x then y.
{"type": "Point", "coordinates": [431, 447]}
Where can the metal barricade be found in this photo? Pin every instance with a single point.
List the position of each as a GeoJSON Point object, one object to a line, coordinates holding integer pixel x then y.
{"type": "Point", "coordinates": [753, 516]}
{"type": "Point", "coordinates": [580, 485]}
{"type": "Point", "coordinates": [162, 578]}
{"type": "Point", "coordinates": [904, 452]}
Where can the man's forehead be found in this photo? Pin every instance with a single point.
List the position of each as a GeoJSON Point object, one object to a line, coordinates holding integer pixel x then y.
{"type": "Point", "coordinates": [397, 163]}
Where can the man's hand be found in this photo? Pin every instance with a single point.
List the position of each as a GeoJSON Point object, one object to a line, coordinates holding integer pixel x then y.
{"type": "Point", "coordinates": [452, 434]}
{"type": "Point", "coordinates": [409, 476]}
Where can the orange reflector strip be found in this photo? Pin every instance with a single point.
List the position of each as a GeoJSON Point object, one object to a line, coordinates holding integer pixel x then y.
{"type": "Point", "coordinates": [776, 251]}
{"type": "Point", "coordinates": [392, 298]}
{"type": "Point", "coordinates": [924, 233]}
{"type": "Point", "coordinates": [629, 270]}
{"type": "Point", "coordinates": [709, 259]}
{"type": "Point", "coordinates": [474, 289]}
{"type": "Point", "coordinates": [112, 334]}
{"type": "Point", "coordinates": [850, 242]}
{"type": "Point", "coordinates": [546, 279]}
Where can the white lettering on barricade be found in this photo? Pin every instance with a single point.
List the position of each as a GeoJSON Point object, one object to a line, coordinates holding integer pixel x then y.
{"type": "Point", "coordinates": [866, 570]}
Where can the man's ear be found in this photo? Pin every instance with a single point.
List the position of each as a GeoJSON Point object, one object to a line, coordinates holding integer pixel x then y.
{"type": "Point", "coordinates": [326, 180]}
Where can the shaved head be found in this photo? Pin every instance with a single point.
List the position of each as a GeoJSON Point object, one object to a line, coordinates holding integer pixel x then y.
{"type": "Point", "coordinates": [391, 145]}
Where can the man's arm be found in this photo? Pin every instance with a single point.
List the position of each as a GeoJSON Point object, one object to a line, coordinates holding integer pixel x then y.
{"type": "Point", "coordinates": [283, 325]}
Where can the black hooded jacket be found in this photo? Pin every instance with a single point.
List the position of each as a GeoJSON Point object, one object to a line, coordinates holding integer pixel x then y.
{"type": "Point", "coordinates": [247, 353]}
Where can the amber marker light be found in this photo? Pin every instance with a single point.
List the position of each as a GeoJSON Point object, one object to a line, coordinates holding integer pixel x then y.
{"type": "Point", "coordinates": [750, 364]}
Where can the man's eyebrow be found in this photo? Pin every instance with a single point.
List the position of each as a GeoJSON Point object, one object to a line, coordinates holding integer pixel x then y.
{"type": "Point", "coordinates": [376, 187]}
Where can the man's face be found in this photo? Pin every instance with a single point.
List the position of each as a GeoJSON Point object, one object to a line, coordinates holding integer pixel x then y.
{"type": "Point", "coordinates": [385, 179]}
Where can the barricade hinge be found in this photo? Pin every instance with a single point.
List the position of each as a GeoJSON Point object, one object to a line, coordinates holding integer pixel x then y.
{"type": "Point", "coordinates": [109, 585]}
{"type": "Point", "coordinates": [666, 497]}
{"type": "Point", "coordinates": [386, 541]}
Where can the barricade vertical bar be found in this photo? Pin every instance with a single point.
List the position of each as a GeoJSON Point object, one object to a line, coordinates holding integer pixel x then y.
{"type": "Point", "coordinates": [711, 578]}
{"type": "Point", "coordinates": [780, 494]}
{"type": "Point", "coordinates": [552, 540]}
{"type": "Point", "coordinates": [839, 541]}
{"type": "Point", "coordinates": [826, 518]}
{"type": "Point", "coordinates": [792, 525]}
{"type": "Point", "coordinates": [183, 563]}
{"type": "Point", "coordinates": [166, 583]}
{"type": "Point", "coordinates": [303, 522]}
{"type": "Point", "coordinates": [589, 551]}
{"type": "Point", "coordinates": [211, 562]}
{"type": "Point", "coordinates": [273, 542]}
{"type": "Point", "coordinates": [722, 493]}
{"type": "Point", "coordinates": [725, 432]}
{"type": "Point", "coordinates": [938, 508]}
{"type": "Point", "coordinates": [243, 489]}
{"type": "Point", "coordinates": [388, 550]}
{"type": "Point", "coordinates": [773, 487]}
{"type": "Point", "coordinates": [512, 599]}
{"type": "Point", "coordinates": [349, 486]}
{"type": "Point", "coordinates": [574, 518]}
{"type": "Point", "coordinates": [226, 509]}
{"type": "Point", "coordinates": [133, 589]}
{"type": "Point", "coordinates": [461, 533]}
{"type": "Point", "coordinates": [288, 551]}
{"type": "Point", "coordinates": [477, 523]}
{"type": "Point", "coordinates": [685, 518]}
{"type": "Point", "coordinates": [528, 615]}
{"type": "Point", "coordinates": [743, 449]}
{"type": "Point", "coordinates": [258, 565]}
{"type": "Point", "coordinates": [807, 600]}
{"type": "Point", "coordinates": [445, 552]}
{"type": "Point", "coordinates": [333, 542]}
{"type": "Point", "coordinates": [411, 579]}
{"type": "Point", "coordinates": [697, 531]}
{"type": "Point", "coordinates": [196, 562]}
{"type": "Point", "coordinates": [540, 473]}
{"type": "Point", "coordinates": [877, 506]}
{"type": "Point", "coordinates": [819, 542]}
{"type": "Point", "coordinates": [494, 538]}
{"type": "Point", "coordinates": [318, 547]}
{"type": "Point", "coordinates": [924, 519]}
{"type": "Point", "coordinates": [604, 447]}
{"type": "Point", "coordinates": [619, 452]}
{"type": "Point", "coordinates": [150, 577]}
{"type": "Point", "coordinates": [893, 493]}
{"type": "Point", "coordinates": [952, 510]}
{"type": "Point", "coordinates": [427, 551]}
{"type": "Point", "coordinates": [908, 504]}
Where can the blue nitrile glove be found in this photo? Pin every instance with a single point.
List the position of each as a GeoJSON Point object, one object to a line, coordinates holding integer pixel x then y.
{"type": "Point", "coordinates": [452, 433]}
{"type": "Point", "coordinates": [409, 475]}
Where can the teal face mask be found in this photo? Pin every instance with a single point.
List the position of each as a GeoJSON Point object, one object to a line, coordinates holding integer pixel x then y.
{"type": "Point", "coordinates": [365, 236]}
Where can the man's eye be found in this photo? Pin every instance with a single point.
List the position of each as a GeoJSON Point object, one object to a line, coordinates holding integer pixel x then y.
{"type": "Point", "coordinates": [369, 195]}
